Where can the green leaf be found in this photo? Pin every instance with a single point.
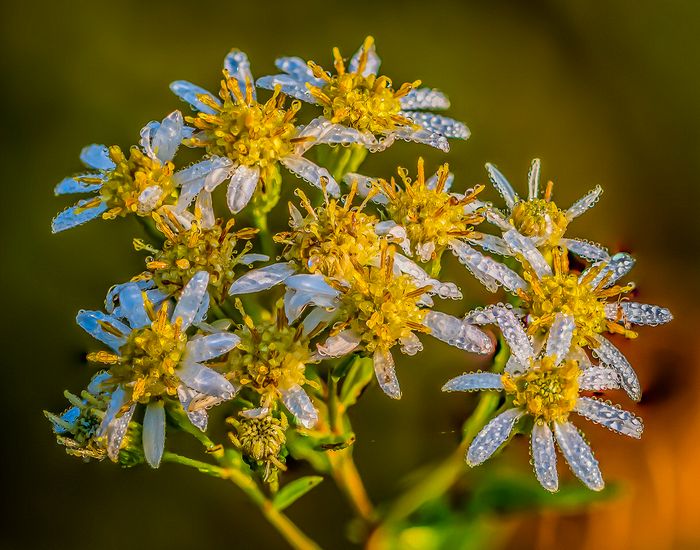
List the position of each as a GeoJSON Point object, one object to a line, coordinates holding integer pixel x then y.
{"type": "Point", "coordinates": [292, 491]}
{"type": "Point", "coordinates": [358, 376]}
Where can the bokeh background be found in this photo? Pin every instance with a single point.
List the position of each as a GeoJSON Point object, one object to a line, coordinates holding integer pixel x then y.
{"type": "Point", "coordinates": [605, 93]}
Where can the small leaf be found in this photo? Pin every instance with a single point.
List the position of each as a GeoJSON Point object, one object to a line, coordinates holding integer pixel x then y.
{"type": "Point", "coordinates": [294, 490]}
{"type": "Point", "coordinates": [359, 375]}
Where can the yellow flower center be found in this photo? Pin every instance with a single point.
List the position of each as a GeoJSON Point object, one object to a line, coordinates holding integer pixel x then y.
{"type": "Point", "coordinates": [381, 307]}
{"type": "Point", "coordinates": [547, 392]}
{"type": "Point", "coordinates": [148, 359]}
{"type": "Point", "coordinates": [539, 218]}
{"type": "Point", "coordinates": [366, 103]}
{"type": "Point", "coordinates": [130, 178]}
{"type": "Point", "coordinates": [332, 239]}
{"type": "Point", "coordinates": [430, 217]}
{"type": "Point", "coordinates": [272, 356]}
{"type": "Point", "coordinates": [247, 132]}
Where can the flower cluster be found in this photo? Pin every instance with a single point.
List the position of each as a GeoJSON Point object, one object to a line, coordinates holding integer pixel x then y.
{"type": "Point", "coordinates": [280, 347]}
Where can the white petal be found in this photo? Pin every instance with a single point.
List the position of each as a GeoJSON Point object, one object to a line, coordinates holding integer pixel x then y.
{"type": "Point", "coordinates": [341, 344]}
{"type": "Point", "coordinates": [244, 182]}
{"type": "Point", "coordinates": [598, 379]}
{"type": "Point", "coordinates": [93, 323]}
{"type": "Point", "coordinates": [474, 381]}
{"type": "Point", "coordinates": [411, 344]}
{"type": "Point", "coordinates": [492, 436]}
{"type": "Point", "coordinates": [421, 278]}
{"type": "Point", "coordinates": [579, 456]}
{"type": "Point", "coordinates": [432, 181]}
{"type": "Point", "coordinates": [501, 184]}
{"type": "Point", "coordinates": [314, 284]}
{"type": "Point", "coordinates": [168, 136]}
{"type": "Point", "coordinates": [188, 92]}
{"type": "Point", "coordinates": [199, 417]}
{"type": "Point", "coordinates": [639, 314]}
{"type": "Point", "coordinates": [533, 180]}
{"type": "Point", "coordinates": [458, 333]}
{"type": "Point", "coordinates": [77, 215]}
{"type": "Point", "coordinates": [148, 199]}
{"type": "Point", "coordinates": [422, 135]}
{"type": "Point", "coordinates": [425, 98]}
{"type": "Point", "coordinates": [560, 334]}
{"type": "Point", "coordinates": [191, 299]}
{"type": "Point", "coordinates": [385, 371]}
{"type": "Point", "coordinates": [524, 247]}
{"type": "Point", "coordinates": [288, 86]}
{"type": "Point", "coordinates": [511, 327]}
{"type": "Point", "coordinates": [488, 271]}
{"type": "Point", "coordinates": [439, 124]}
{"type": "Point", "coordinates": [299, 404]}
{"type": "Point", "coordinates": [618, 266]}
{"type": "Point", "coordinates": [491, 243]}
{"type": "Point", "coordinates": [154, 433]}
{"type": "Point", "coordinates": [316, 317]}
{"type": "Point", "coordinates": [371, 65]}
{"type": "Point", "coordinates": [238, 66]}
{"type": "Point", "coordinates": [131, 306]}
{"type": "Point", "coordinates": [205, 209]}
{"type": "Point", "coordinates": [544, 456]}
{"type": "Point", "coordinates": [314, 174]}
{"type": "Point", "coordinates": [213, 345]}
{"type": "Point", "coordinates": [586, 250]}
{"type": "Point", "coordinates": [298, 69]}
{"type": "Point", "coordinates": [364, 186]}
{"type": "Point", "coordinates": [262, 278]}
{"type": "Point", "coordinates": [611, 417]}
{"type": "Point", "coordinates": [612, 357]}
{"type": "Point", "coordinates": [249, 259]}
{"type": "Point", "coordinates": [205, 380]}
{"type": "Point", "coordinates": [584, 203]}
{"type": "Point", "coordinates": [69, 186]}
{"type": "Point", "coordinates": [96, 156]}
{"type": "Point", "coordinates": [397, 232]}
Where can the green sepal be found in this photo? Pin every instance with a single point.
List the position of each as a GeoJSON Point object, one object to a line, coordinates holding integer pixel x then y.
{"type": "Point", "coordinates": [294, 490]}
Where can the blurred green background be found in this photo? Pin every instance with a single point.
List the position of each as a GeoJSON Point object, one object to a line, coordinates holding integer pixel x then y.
{"type": "Point", "coordinates": [605, 93]}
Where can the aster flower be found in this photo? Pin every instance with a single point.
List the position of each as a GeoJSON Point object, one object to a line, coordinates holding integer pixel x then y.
{"type": "Point", "coordinates": [546, 388]}
{"type": "Point", "coordinates": [137, 184]}
{"type": "Point", "coordinates": [153, 360]}
{"type": "Point", "coordinates": [540, 219]}
{"type": "Point", "coordinates": [423, 214]}
{"type": "Point", "coordinates": [592, 298]}
{"type": "Point", "coordinates": [249, 139]}
{"type": "Point", "coordinates": [363, 107]}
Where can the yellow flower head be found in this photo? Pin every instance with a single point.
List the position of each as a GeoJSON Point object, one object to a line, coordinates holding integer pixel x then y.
{"type": "Point", "coordinates": [563, 292]}
{"type": "Point", "coordinates": [366, 103]}
{"type": "Point", "coordinates": [430, 215]}
{"type": "Point", "coordinates": [540, 218]}
{"type": "Point", "coordinates": [548, 392]}
{"type": "Point", "coordinates": [332, 239]}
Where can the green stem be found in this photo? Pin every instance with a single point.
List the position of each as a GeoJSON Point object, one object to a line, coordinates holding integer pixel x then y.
{"type": "Point", "coordinates": [266, 242]}
{"type": "Point", "coordinates": [286, 527]}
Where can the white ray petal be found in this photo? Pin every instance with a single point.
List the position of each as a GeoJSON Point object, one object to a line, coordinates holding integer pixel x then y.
{"type": "Point", "coordinates": [262, 278]}
{"type": "Point", "coordinates": [613, 357]}
{"type": "Point", "coordinates": [501, 184]}
{"type": "Point", "coordinates": [300, 405]}
{"type": "Point", "coordinates": [492, 436]}
{"type": "Point", "coordinates": [191, 299]}
{"type": "Point", "coordinates": [544, 457]}
{"type": "Point", "coordinates": [205, 380]}
{"type": "Point", "coordinates": [533, 179]}
{"type": "Point", "coordinates": [341, 344]}
{"type": "Point", "coordinates": [586, 250]}
{"type": "Point", "coordinates": [584, 203]}
{"type": "Point", "coordinates": [524, 247]}
{"type": "Point", "coordinates": [154, 433]}
{"type": "Point", "coordinates": [457, 332]}
{"type": "Point", "coordinates": [611, 417]}
{"type": "Point", "coordinates": [489, 272]}
{"type": "Point", "coordinates": [598, 379]}
{"type": "Point", "coordinates": [385, 371]}
{"type": "Point", "coordinates": [474, 381]}
{"type": "Point", "coordinates": [560, 334]}
{"type": "Point", "coordinates": [210, 346]}
{"type": "Point", "coordinates": [244, 182]}
{"type": "Point", "coordinates": [579, 455]}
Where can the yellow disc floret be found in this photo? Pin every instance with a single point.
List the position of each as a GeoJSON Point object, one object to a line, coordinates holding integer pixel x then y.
{"type": "Point", "coordinates": [547, 392]}
{"type": "Point", "coordinates": [430, 216]}
{"type": "Point", "coordinates": [247, 132]}
{"type": "Point", "coordinates": [366, 103]}
{"type": "Point", "coordinates": [540, 218]}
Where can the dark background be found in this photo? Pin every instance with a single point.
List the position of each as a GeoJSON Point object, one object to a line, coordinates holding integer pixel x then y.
{"type": "Point", "coordinates": [604, 92]}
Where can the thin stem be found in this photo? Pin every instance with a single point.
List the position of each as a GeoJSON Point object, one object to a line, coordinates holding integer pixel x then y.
{"type": "Point", "coordinates": [268, 245]}
{"type": "Point", "coordinates": [349, 481]}
{"type": "Point", "coordinates": [286, 527]}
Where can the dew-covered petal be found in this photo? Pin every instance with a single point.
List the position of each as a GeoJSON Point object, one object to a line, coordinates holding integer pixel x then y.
{"type": "Point", "coordinates": [69, 186]}
{"type": "Point", "coordinates": [258, 412]}
{"type": "Point", "coordinates": [208, 173]}
{"type": "Point", "coordinates": [114, 427]}
{"type": "Point", "coordinates": [314, 174]}
{"type": "Point", "coordinates": [189, 92]}
{"type": "Point", "coordinates": [439, 124]}
{"type": "Point", "coordinates": [105, 328]}
{"type": "Point", "coordinates": [579, 455]}
{"type": "Point", "coordinates": [584, 203]}
{"type": "Point", "coordinates": [613, 357]}
{"type": "Point", "coordinates": [316, 317]}
{"type": "Point", "coordinates": [205, 209]}
{"type": "Point", "coordinates": [501, 184]}
{"type": "Point", "coordinates": [611, 417]}
{"type": "Point", "coordinates": [364, 186]}
{"type": "Point", "coordinates": [474, 381]}
{"type": "Point", "coordinates": [421, 135]}
{"type": "Point", "coordinates": [96, 156]}
{"type": "Point", "coordinates": [402, 264]}
{"type": "Point", "coordinates": [432, 181]}
{"type": "Point", "coordinates": [191, 299]}
{"type": "Point", "coordinates": [618, 266]}
{"type": "Point", "coordinates": [533, 179]}
{"type": "Point", "coordinates": [298, 69]}
{"type": "Point", "coordinates": [82, 212]}
{"type": "Point", "coordinates": [205, 380]}
{"type": "Point", "coordinates": [148, 199]}
{"type": "Point", "coordinates": [262, 278]}
{"type": "Point", "coordinates": [560, 334]}
{"type": "Point", "coordinates": [638, 313]}
{"type": "Point", "coordinates": [213, 345]}
{"type": "Point", "coordinates": [372, 63]}
{"type": "Point", "coordinates": [385, 370]}
{"type": "Point", "coordinates": [410, 344]}
{"type": "Point", "coordinates": [249, 259]}
{"type": "Point", "coordinates": [288, 86]}
{"type": "Point", "coordinates": [131, 306]}
{"type": "Point", "coordinates": [523, 246]}
{"type": "Point", "coordinates": [489, 272]}
{"type": "Point", "coordinates": [238, 66]}
{"type": "Point", "coordinates": [492, 436]}
{"type": "Point", "coordinates": [514, 366]}
{"type": "Point", "coordinates": [168, 136]}
{"type": "Point", "coordinates": [244, 182]}
{"type": "Point", "coordinates": [511, 327]}
{"type": "Point", "coordinates": [300, 405]}
{"type": "Point", "coordinates": [491, 243]}
{"type": "Point", "coordinates": [154, 433]}
{"type": "Point", "coordinates": [598, 379]}
{"type": "Point", "coordinates": [112, 299]}
{"type": "Point", "coordinates": [341, 344]}
{"type": "Point", "coordinates": [544, 457]}
{"type": "Point", "coordinates": [586, 250]}
{"type": "Point", "coordinates": [313, 284]}
{"type": "Point", "coordinates": [458, 333]}
{"type": "Point", "coordinates": [425, 98]}
{"type": "Point", "coordinates": [323, 130]}
{"type": "Point", "coordinates": [396, 232]}
{"type": "Point", "coordinates": [198, 417]}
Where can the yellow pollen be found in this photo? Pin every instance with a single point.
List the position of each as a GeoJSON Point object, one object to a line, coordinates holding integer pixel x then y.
{"type": "Point", "coordinates": [547, 392]}
{"type": "Point", "coordinates": [539, 218]}
{"type": "Point", "coordinates": [366, 103]}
